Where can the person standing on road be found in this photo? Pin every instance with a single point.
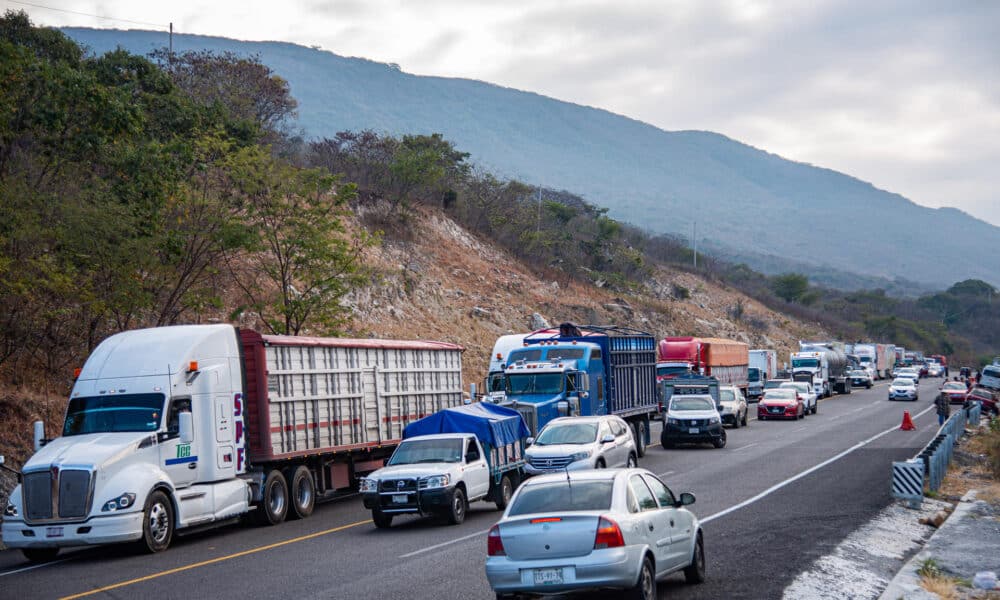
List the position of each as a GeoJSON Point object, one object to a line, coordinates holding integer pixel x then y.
{"type": "Point", "coordinates": [943, 404]}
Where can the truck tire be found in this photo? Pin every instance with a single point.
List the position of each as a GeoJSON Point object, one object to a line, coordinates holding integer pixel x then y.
{"type": "Point", "coordinates": [273, 507]}
{"type": "Point", "coordinates": [459, 506]}
{"type": "Point", "coordinates": [157, 523]}
{"type": "Point", "coordinates": [302, 492]}
{"type": "Point", "coordinates": [639, 430]}
{"type": "Point", "coordinates": [40, 555]}
{"type": "Point", "coordinates": [503, 492]}
{"type": "Point", "coordinates": [381, 520]}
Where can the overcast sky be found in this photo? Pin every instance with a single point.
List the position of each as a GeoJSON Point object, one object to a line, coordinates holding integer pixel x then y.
{"type": "Point", "coordinates": [902, 93]}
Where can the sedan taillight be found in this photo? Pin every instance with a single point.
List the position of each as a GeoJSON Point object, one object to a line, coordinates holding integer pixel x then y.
{"type": "Point", "coordinates": [609, 535]}
{"type": "Point", "coordinates": [494, 545]}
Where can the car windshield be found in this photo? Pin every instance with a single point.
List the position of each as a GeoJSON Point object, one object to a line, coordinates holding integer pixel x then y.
{"type": "Point", "coordinates": [902, 382]}
{"type": "Point", "coordinates": [727, 396]}
{"type": "Point", "coordinates": [774, 383]}
{"type": "Point", "coordinates": [105, 414]}
{"type": "Point", "coordinates": [567, 433]}
{"type": "Point", "coordinates": [859, 373]}
{"type": "Point", "coordinates": [795, 385]}
{"type": "Point", "coordinates": [427, 451]}
{"type": "Point", "coordinates": [782, 393]}
{"type": "Point", "coordinates": [691, 403]}
{"type": "Point", "coordinates": [535, 383]}
{"type": "Point", "coordinates": [563, 496]}
{"type": "Point", "coordinates": [954, 385]}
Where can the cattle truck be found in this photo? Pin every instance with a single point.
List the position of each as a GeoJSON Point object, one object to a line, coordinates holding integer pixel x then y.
{"type": "Point", "coordinates": [174, 428]}
{"type": "Point", "coordinates": [585, 370]}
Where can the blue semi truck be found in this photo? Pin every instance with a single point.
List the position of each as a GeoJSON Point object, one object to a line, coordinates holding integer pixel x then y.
{"type": "Point", "coordinates": [585, 370]}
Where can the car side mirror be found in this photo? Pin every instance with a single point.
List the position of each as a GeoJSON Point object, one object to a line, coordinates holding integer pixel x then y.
{"type": "Point", "coordinates": [607, 439]}
{"type": "Point", "coordinates": [185, 426]}
{"type": "Point", "coordinates": [686, 499]}
{"type": "Point", "coordinates": [529, 441]}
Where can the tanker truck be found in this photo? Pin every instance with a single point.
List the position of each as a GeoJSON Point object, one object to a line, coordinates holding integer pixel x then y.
{"type": "Point", "coordinates": [824, 365]}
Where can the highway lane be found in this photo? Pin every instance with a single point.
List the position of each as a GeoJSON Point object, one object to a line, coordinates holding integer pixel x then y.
{"type": "Point", "coordinates": [338, 554]}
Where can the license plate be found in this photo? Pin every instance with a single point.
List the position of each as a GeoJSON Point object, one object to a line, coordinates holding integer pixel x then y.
{"type": "Point", "coordinates": [776, 410]}
{"type": "Point", "coordinates": [399, 499]}
{"type": "Point", "coordinates": [51, 532]}
{"type": "Point", "coordinates": [548, 576]}
{"type": "Point", "coordinates": [693, 430]}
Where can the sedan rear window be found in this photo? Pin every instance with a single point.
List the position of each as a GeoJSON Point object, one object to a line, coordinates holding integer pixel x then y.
{"type": "Point", "coordinates": [563, 496]}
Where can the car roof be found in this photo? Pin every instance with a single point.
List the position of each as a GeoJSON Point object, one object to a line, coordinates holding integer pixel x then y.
{"type": "Point", "coordinates": [580, 419]}
{"type": "Point", "coordinates": [585, 475]}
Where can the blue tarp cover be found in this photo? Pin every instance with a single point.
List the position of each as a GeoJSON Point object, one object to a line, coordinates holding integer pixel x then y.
{"type": "Point", "coordinates": [492, 424]}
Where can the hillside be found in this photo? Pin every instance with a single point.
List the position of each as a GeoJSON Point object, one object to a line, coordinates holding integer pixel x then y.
{"type": "Point", "coordinates": [662, 180]}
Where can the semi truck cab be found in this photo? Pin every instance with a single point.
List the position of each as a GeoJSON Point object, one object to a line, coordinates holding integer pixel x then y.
{"type": "Point", "coordinates": [811, 367]}
{"type": "Point", "coordinates": [553, 379]}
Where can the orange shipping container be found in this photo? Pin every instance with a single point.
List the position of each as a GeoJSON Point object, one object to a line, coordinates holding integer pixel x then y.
{"type": "Point", "coordinates": [719, 352]}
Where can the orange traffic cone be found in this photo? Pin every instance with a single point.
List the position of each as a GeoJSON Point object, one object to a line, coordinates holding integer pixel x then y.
{"type": "Point", "coordinates": [907, 422]}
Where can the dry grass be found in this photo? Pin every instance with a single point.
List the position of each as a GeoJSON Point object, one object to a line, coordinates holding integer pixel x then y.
{"type": "Point", "coordinates": [942, 585]}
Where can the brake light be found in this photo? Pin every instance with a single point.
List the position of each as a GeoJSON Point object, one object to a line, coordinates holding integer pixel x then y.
{"type": "Point", "coordinates": [609, 535]}
{"type": "Point", "coordinates": [546, 520]}
{"type": "Point", "coordinates": [494, 545]}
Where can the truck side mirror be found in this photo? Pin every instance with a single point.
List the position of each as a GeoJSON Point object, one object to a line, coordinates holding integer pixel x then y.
{"type": "Point", "coordinates": [185, 426]}
{"type": "Point", "coordinates": [39, 435]}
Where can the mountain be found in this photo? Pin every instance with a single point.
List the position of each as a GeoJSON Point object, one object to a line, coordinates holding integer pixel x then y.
{"type": "Point", "coordinates": [746, 202]}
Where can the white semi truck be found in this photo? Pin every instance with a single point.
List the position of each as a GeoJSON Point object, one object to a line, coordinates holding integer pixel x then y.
{"type": "Point", "coordinates": [175, 428]}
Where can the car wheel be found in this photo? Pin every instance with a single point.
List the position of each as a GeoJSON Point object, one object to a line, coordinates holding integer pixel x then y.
{"type": "Point", "coordinates": [456, 515]}
{"type": "Point", "coordinates": [639, 432]}
{"type": "Point", "coordinates": [381, 520]}
{"type": "Point", "coordinates": [736, 421]}
{"type": "Point", "coordinates": [816, 406]}
{"type": "Point", "coordinates": [632, 462]}
{"type": "Point", "coordinates": [695, 572]}
{"type": "Point", "coordinates": [761, 418]}
{"type": "Point", "coordinates": [645, 587]}
{"type": "Point", "coordinates": [746, 417]}
{"type": "Point", "coordinates": [721, 441]}
{"type": "Point", "coordinates": [802, 413]}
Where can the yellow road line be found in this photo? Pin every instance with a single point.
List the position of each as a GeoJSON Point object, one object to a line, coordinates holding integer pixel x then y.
{"type": "Point", "coordinates": [213, 561]}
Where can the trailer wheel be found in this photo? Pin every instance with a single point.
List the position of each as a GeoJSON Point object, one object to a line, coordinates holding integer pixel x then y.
{"type": "Point", "coordinates": [381, 520]}
{"type": "Point", "coordinates": [157, 523]}
{"type": "Point", "coordinates": [40, 555]}
{"type": "Point", "coordinates": [301, 491]}
{"type": "Point", "coordinates": [503, 492]}
{"type": "Point", "coordinates": [639, 428]}
{"type": "Point", "coordinates": [274, 506]}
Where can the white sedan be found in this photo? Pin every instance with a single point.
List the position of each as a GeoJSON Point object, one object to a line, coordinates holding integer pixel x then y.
{"type": "Point", "coordinates": [592, 530]}
{"type": "Point", "coordinates": [809, 398]}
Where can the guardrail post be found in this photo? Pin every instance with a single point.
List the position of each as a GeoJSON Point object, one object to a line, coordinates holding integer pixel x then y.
{"type": "Point", "coordinates": [908, 481]}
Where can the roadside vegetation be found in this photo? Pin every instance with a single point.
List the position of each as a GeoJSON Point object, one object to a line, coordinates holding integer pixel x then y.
{"type": "Point", "coordinates": [144, 191]}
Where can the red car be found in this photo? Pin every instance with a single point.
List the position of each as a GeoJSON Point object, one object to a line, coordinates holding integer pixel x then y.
{"type": "Point", "coordinates": [956, 392]}
{"type": "Point", "coordinates": [987, 398]}
{"type": "Point", "coordinates": [781, 403]}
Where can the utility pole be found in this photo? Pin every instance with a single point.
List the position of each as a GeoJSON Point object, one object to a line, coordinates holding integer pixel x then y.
{"type": "Point", "coordinates": [694, 242]}
{"type": "Point", "coordinates": [171, 40]}
{"type": "Point", "coordinates": [538, 220]}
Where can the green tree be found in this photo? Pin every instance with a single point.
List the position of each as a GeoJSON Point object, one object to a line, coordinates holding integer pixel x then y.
{"type": "Point", "coordinates": [790, 287]}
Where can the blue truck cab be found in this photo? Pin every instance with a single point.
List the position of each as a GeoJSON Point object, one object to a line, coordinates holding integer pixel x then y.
{"type": "Point", "coordinates": [587, 370]}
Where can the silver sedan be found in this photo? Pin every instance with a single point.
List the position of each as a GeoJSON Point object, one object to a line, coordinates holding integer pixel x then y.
{"type": "Point", "coordinates": [583, 530]}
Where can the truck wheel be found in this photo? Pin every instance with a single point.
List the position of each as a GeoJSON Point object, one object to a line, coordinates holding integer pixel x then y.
{"type": "Point", "coordinates": [157, 523]}
{"type": "Point", "coordinates": [639, 429]}
{"type": "Point", "coordinates": [274, 505]}
{"type": "Point", "coordinates": [503, 492]}
{"type": "Point", "coordinates": [458, 507]}
{"type": "Point", "coordinates": [40, 555]}
{"type": "Point", "coordinates": [301, 491]}
{"type": "Point", "coordinates": [381, 520]}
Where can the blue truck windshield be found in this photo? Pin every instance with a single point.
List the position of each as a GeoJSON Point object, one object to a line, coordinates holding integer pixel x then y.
{"type": "Point", "coordinates": [535, 383]}
{"type": "Point", "coordinates": [106, 414]}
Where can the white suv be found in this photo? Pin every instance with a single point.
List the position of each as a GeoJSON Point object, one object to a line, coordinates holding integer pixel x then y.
{"type": "Point", "coordinates": [581, 443]}
{"type": "Point", "coordinates": [734, 406]}
{"type": "Point", "coordinates": [809, 400]}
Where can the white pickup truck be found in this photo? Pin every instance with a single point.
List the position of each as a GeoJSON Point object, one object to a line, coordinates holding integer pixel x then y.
{"type": "Point", "coordinates": [447, 460]}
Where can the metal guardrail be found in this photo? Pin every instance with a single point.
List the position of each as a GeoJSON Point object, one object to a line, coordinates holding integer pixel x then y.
{"type": "Point", "coordinates": [931, 463]}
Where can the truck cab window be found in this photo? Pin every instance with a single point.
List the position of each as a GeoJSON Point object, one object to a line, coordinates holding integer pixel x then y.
{"type": "Point", "coordinates": [472, 453]}
{"type": "Point", "coordinates": [177, 406]}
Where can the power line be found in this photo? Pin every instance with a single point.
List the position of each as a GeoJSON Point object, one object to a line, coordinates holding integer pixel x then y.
{"type": "Point", "coordinates": [83, 14]}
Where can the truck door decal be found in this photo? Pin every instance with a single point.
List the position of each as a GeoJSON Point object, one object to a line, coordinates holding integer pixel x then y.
{"type": "Point", "coordinates": [238, 426]}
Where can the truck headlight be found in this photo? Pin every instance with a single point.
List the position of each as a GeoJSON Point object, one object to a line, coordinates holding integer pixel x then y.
{"type": "Point", "coordinates": [368, 485]}
{"type": "Point", "coordinates": [437, 481]}
{"type": "Point", "coordinates": [120, 503]}
{"type": "Point", "coordinates": [580, 455]}
{"type": "Point", "coordinates": [10, 511]}
{"type": "Point", "coordinates": [714, 420]}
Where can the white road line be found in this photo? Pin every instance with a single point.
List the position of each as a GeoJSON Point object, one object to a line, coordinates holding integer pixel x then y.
{"type": "Point", "coordinates": [742, 447]}
{"type": "Point", "coordinates": [799, 429]}
{"type": "Point", "coordinates": [808, 471]}
{"type": "Point", "coordinates": [667, 473]}
{"type": "Point", "coordinates": [448, 543]}
{"type": "Point", "coordinates": [33, 567]}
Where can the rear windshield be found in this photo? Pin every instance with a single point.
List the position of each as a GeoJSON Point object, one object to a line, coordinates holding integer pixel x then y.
{"type": "Point", "coordinates": [563, 496]}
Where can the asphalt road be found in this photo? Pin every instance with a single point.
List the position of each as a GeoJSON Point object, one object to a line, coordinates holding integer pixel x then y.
{"type": "Point", "coordinates": [780, 495]}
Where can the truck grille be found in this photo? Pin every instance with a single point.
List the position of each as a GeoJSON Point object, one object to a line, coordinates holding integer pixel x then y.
{"type": "Point", "coordinates": [398, 485]}
{"type": "Point", "coordinates": [72, 495]}
{"type": "Point", "coordinates": [529, 414]}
